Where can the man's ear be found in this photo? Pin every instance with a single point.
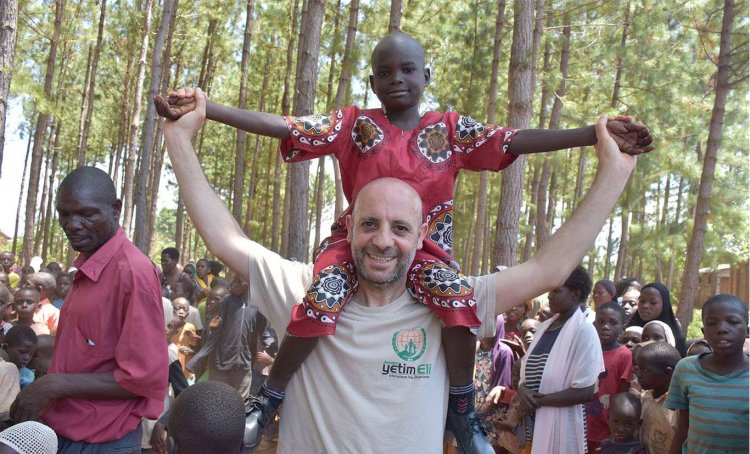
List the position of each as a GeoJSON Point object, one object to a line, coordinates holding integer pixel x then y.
{"type": "Point", "coordinates": [349, 225]}
{"type": "Point", "coordinates": [703, 332]}
{"type": "Point", "coordinates": [372, 83]}
{"type": "Point", "coordinates": [117, 208]}
{"type": "Point", "coordinates": [427, 76]}
{"type": "Point", "coordinates": [421, 234]}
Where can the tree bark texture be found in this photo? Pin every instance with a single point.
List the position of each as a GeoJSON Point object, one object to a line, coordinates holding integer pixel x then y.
{"type": "Point", "coordinates": [304, 97]}
{"type": "Point", "coordinates": [394, 23]}
{"type": "Point", "coordinates": [83, 141]}
{"type": "Point", "coordinates": [39, 131]}
{"type": "Point", "coordinates": [135, 120]}
{"type": "Point", "coordinates": [8, 33]}
{"type": "Point", "coordinates": [690, 275]}
{"type": "Point", "coordinates": [520, 92]}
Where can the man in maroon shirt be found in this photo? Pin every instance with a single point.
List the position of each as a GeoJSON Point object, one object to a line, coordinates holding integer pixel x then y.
{"type": "Point", "coordinates": [109, 366]}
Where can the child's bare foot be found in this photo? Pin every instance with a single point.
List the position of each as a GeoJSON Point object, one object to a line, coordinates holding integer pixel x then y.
{"type": "Point", "coordinates": [631, 137]}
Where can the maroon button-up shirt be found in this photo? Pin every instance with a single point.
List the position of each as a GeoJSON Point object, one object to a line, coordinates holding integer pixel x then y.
{"type": "Point", "coordinates": [112, 320]}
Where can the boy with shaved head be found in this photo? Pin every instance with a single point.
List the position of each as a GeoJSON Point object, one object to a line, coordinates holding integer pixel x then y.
{"type": "Point", "coordinates": [426, 150]}
{"type": "Point", "coordinates": [109, 366]}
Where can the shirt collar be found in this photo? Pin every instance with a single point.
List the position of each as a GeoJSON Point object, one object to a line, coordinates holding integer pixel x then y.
{"type": "Point", "coordinates": [93, 266]}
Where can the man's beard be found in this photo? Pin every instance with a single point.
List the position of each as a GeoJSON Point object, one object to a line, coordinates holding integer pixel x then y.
{"type": "Point", "coordinates": [399, 271]}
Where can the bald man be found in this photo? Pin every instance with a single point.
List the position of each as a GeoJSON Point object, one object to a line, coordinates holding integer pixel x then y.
{"type": "Point", "coordinates": [379, 384]}
{"type": "Point", "coordinates": [109, 365]}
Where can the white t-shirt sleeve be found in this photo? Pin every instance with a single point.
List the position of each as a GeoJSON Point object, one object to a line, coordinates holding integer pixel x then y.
{"type": "Point", "coordinates": [484, 293]}
{"type": "Point", "coordinates": [276, 284]}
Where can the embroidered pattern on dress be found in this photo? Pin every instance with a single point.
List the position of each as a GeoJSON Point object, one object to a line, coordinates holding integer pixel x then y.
{"type": "Point", "coordinates": [366, 134]}
{"type": "Point", "coordinates": [433, 143]}
{"type": "Point", "coordinates": [470, 134]}
{"type": "Point", "coordinates": [316, 129]}
{"type": "Point", "coordinates": [440, 226]}
{"type": "Point", "coordinates": [435, 283]}
{"type": "Point", "coordinates": [329, 292]}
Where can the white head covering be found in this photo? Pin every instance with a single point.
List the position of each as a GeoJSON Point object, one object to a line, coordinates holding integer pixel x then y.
{"type": "Point", "coordinates": [635, 329]}
{"type": "Point", "coordinates": [667, 330]}
{"type": "Point", "coordinates": [30, 437]}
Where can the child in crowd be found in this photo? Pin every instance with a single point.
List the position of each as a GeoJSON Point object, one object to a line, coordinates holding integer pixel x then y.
{"type": "Point", "coordinates": [203, 279]}
{"type": "Point", "coordinates": [185, 336]}
{"type": "Point", "coordinates": [28, 437]}
{"type": "Point", "coordinates": [186, 289]}
{"type": "Point", "coordinates": [210, 308]}
{"type": "Point", "coordinates": [632, 336]}
{"type": "Point", "coordinates": [604, 290]}
{"type": "Point", "coordinates": [654, 364]}
{"type": "Point", "coordinates": [654, 304]}
{"type": "Point", "coordinates": [20, 344]}
{"type": "Point", "coordinates": [207, 418]}
{"type": "Point", "coordinates": [26, 301]}
{"type": "Point", "coordinates": [424, 149]}
{"type": "Point", "coordinates": [618, 370]}
{"type": "Point", "coordinates": [513, 319]}
{"type": "Point", "coordinates": [658, 331]}
{"type": "Point", "coordinates": [64, 282]}
{"type": "Point", "coordinates": [45, 312]}
{"type": "Point", "coordinates": [6, 299]}
{"type": "Point", "coordinates": [709, 391]}
{"type": "Point", "coordinates": [698, 346]}
{"type": "Point", "coordinates": [483, 372]}
{"type": "Point", "coordinates": [4, 279]}
{"type": "Point", "coordinates": [624, 422]}
{"type": "Point", "coordinates": [43, 355]}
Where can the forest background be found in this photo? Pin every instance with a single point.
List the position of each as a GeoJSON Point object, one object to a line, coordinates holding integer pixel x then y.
{"type": "Point", "coordinates": [79, 77]}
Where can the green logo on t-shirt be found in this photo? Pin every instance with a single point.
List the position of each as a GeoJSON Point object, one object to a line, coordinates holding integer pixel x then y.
{"type": "Point", "coordinates": [410, 344]}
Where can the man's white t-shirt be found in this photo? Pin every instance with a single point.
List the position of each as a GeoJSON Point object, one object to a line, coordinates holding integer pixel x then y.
{"type": "Point", "coordinates": [379, 384]}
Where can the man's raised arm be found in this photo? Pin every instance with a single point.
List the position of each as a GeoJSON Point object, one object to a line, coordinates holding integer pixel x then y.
{"type": "Point", "coordinates": [211, 218]}
{"type": "Point", "coordinates": [565, 249]}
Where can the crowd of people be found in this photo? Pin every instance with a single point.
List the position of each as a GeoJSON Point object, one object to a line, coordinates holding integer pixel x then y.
{"type": "Point", "coordinates": [385, 346]}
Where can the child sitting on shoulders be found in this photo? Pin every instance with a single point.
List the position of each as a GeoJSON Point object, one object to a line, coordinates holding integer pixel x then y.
{"type": "Point", "coordinates": [709, 391]}
{"type": "Point", "coordinates": [20, 345]}
{"type": "Point", "coordinates": [618, 370]}
{"type": "Point", "coordinates": [654, 364]}
{"type": "Point", "coordinates": [624, 421]}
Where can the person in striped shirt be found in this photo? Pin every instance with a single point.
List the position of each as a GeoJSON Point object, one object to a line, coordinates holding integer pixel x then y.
{"type": "Point", "coordinates": [709, 391]}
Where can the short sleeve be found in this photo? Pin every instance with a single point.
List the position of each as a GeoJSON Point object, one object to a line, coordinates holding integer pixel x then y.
{"type": "Point", "coordinates": [313, 136]}
{"type": "Point", "coordinates": [677, 399]}
{"type": "Point", "coordinates": [276, 285]}
{"type": "Point", "coordinates": [481, 146]}
{"type": "Point", "coordinates": [484, 293]}
{"type": "Point", "coordinates": [140, 355]}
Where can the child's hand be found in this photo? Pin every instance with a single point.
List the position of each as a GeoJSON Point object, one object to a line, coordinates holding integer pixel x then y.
{"type": "Point", "coordinates": [214, 323]}
{"type": "Point", "coordinates": [631, 137]}
{"type": "Point", "coordinates": [176, 105]}
{"type": "Point", "coordinates": [185, 350]}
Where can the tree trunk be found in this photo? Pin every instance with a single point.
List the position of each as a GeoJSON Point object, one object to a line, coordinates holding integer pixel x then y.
{"type": "Point", "coordinates": [256, 155]}
{"type": "Point", "coordinates": [82, 143]}
{"type": "Point", "coordinates": [49, 212]}
{"type": "Point", "coordinates": [122, 130]}
{"type": "Point", "coordinates": [481, 219]}
{"type": "Point", "coordinates": [607, 257]}
{"type": "Point", "coordinates": [135, 120]}
{"type": "Point", "coordinates": [45, 190]}
{"type": "Point", "coordinates": [554, 118]}
{"type": "Point", "coordinates": [394, 23]}
{"type": "Point", "coordinates": [20, 193]}
{"type": "Point", "coordinates": [703, 204]}
{"type": "Point", "coordinates": [541, 225]}
{"type": "Point", "coordinates": [238, 184]}
{"type": "Point", "coordinates": [520, 92]}
{"type": "Point", "coordinates": [533, 209]}
{"type": "Point", "coordinates": [149, 131]}
{"type": "Point", "coordinates": [8, 32]}
{"type": "Point", "coordinates": [304, 96]}
{"type": "Point", "coordinates": [621, 56]}
{"type": "Point", "coordinates": [39, 131]}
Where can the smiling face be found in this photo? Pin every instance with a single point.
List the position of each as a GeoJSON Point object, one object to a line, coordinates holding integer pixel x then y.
{"type": "Point", "coordinates": [650, 304]}
{"type": "Point", "coordinates": [516, 313]}
{"type": "Point", "coordinates": [399, 75]}
{"type": "Point", "coordinates": [725, 327]}
{"type": "Point", "coordinates": [87, 219]}
{"type": "Point", "coordinates": [385, 231]}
